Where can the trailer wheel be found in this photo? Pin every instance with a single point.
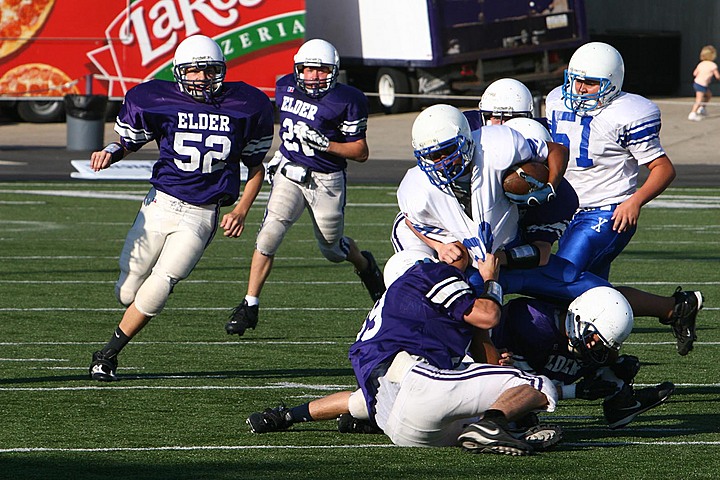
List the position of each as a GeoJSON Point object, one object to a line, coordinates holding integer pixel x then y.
{"type": "Point", "coordinates": [391, 82]}
{"type": "Point", "coordinates": [41, 111]}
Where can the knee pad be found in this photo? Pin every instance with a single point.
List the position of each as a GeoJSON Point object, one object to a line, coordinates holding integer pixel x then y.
{"type": "Point", "coordinates": [357, 406]}
{"type": "Point", "coordinates": [270, 237]}
{"type": "Point", "coordinates": [153, 294]}
{"type": "Point", "coordinates": [335, 252]}
{"type": "Point", "coordinates": [126, 288]}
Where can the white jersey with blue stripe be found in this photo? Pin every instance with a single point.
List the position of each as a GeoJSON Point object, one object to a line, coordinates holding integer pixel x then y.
{"type": "Point", "coordinates": [606, 145]}
{"type": "Point", "coordinates": [436, 212]}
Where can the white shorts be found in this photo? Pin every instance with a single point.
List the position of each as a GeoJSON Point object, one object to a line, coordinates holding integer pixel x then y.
{"type": "Point", "coordinates": [429, 407]}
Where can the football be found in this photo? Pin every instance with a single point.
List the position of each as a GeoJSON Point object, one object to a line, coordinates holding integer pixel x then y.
{"type": "Point", "coordinates": [515, 184]}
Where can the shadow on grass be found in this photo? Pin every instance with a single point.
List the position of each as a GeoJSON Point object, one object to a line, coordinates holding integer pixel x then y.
{"type": "Point", "coordinates": [287, 374]}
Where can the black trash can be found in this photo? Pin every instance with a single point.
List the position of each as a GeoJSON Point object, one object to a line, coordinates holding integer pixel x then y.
{"type": "Point", "coordinates": [85, 116]}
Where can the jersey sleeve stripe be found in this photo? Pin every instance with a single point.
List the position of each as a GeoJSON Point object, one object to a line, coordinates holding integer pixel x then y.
{"type": "Point", "coordinates": [135, 135]}
{"type": "Point", "coordinates": [447, 291]}
{"type": "Point", "coordinates": [257, 146]}
{"type": "Point", "coordinates": [350, 128]}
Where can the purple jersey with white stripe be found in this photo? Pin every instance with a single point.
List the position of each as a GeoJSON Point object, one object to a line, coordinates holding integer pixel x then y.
{"type": "Point", "coordinates": [341, 115]}
{"type": "Point", "coordinates": [421, 313]}
{"type": "Point", "coordinates": [534, 331]}
{"type": "Point", "coordinates": [201, 144]}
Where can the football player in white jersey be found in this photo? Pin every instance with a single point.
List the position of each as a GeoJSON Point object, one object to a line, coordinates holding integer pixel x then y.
{"type": "Point", "coordinates": [610, 133]}
{"type": "Point", "coordinates": [455, 194]}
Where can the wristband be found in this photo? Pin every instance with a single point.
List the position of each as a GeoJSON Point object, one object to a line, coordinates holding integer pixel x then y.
{"type": "Point", "coordinates": [493, 291]}
{"type": "Point", "coordinates": [524, 256]}
{"type": "Point", "coordinates": [568, 391]}
{"type": "Point", "coordinates": [116, 151]}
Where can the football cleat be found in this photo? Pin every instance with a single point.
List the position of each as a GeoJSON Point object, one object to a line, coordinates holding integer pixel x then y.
{"type": "Point", "coordinates": [242, 317]}
{"type": "Point", "coordinates": [628, 404]}
{"type": "Point", "coordinates": [270, 420]}
{"type": "Point", "coordinates": [486, 436]}
{"type": "Point", "coordinates": [103, 368]}
{"type": "Point", "coordinates": [540, 436]}
{"type": "Point", "coordinates": [349, 424]}
{"type": "Point", "coordinates": [682, 320]}
{"type": "Point", "coordinates": [372, 277]}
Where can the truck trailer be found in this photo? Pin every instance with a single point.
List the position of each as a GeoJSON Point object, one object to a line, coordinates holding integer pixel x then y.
{"type": "Point", "coordinates": [400, 52]}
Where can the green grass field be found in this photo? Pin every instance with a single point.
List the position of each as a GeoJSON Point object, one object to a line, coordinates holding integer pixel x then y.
{"type": "Point", "coordinates": [186, 387]}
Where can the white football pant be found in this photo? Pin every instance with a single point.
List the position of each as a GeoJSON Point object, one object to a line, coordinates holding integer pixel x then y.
{"type": "Point", "coordinates": [429, 406]}
{"type": "Point", "coordinates": [162, 247]}
{"type": "Point", "coordinates": [324, 196]}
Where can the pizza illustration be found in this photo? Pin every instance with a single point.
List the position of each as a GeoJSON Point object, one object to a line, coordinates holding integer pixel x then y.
{"type": "Point", "coordinates": [20, 21]}
{"type": "Point", "coordinates": [37, 80]}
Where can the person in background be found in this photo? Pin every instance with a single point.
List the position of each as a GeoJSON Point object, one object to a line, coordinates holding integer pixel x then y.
{"type": "Point", "coordinates": [704, 73]}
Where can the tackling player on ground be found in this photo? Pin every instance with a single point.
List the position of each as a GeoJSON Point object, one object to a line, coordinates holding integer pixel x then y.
{"type": "Point", "coordinates": [204, 127]}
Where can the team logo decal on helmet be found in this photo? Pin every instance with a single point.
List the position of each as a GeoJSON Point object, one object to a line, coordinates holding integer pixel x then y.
{"type": "Point", "coordinates": [595, 61]}
{"type": "Point", "coordinates": [443, 143]}
{"type": "Point", "coordinates": [319, 54]}
{"type": "Point", "coordinates": [204, 54]}
{"type": "Point", "coordinates": [597, 323]}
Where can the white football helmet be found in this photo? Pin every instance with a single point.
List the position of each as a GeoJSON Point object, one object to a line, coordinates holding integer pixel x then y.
{"type": "Point", "coordinates": [443, 143]}
{"type": "Point", "coordinates": [203, 53]}
{"type": "Point", "coordinates": [401, 262]}
{"type": "Point", "coordinates": [601, 311]}
{"type": "Point", "coordinates": [316, 53]}
{"type": "Point", "coordinates": [593, 61]}
{"type": "Point", "coordinates": [506, 98]}
{"type": "Point", "coordinates": [529, 128]}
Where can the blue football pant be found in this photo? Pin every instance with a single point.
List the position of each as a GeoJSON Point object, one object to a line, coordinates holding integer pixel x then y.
{"type": "Point", "coordinates": [590, 243]}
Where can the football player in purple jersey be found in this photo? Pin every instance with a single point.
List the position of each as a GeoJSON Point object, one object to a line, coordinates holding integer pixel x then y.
{"type": "Point", "coordinates": [322, 126]}
{"type": "Point", "coordinates": [417, 383]}
{"type": "Point", "coordinates": [203, 127]}
{"type": "Point", "coordinates": [577, 347]}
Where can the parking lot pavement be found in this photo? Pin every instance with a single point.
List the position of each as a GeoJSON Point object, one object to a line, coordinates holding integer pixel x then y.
{"type": "Point", "coordinates": [38, 151]}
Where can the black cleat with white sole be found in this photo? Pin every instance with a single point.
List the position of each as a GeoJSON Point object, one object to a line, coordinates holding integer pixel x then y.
{"type": "Point", "coordinates": [102, 367]}
{"type": "Point", "coordinates": [486, 436]}
{"type": "Point", "coordinates": [628, 404]}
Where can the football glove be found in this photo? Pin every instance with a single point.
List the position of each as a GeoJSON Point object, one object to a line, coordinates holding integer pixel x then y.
{"type": "Point", "coordinates": [626, 367]}
{"type": "Point", "coordinates": [539, 192]}
{"type": "Point", "coordinates": [311, 137]}
{"type": "Point", "coordinates": [594, 388]}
